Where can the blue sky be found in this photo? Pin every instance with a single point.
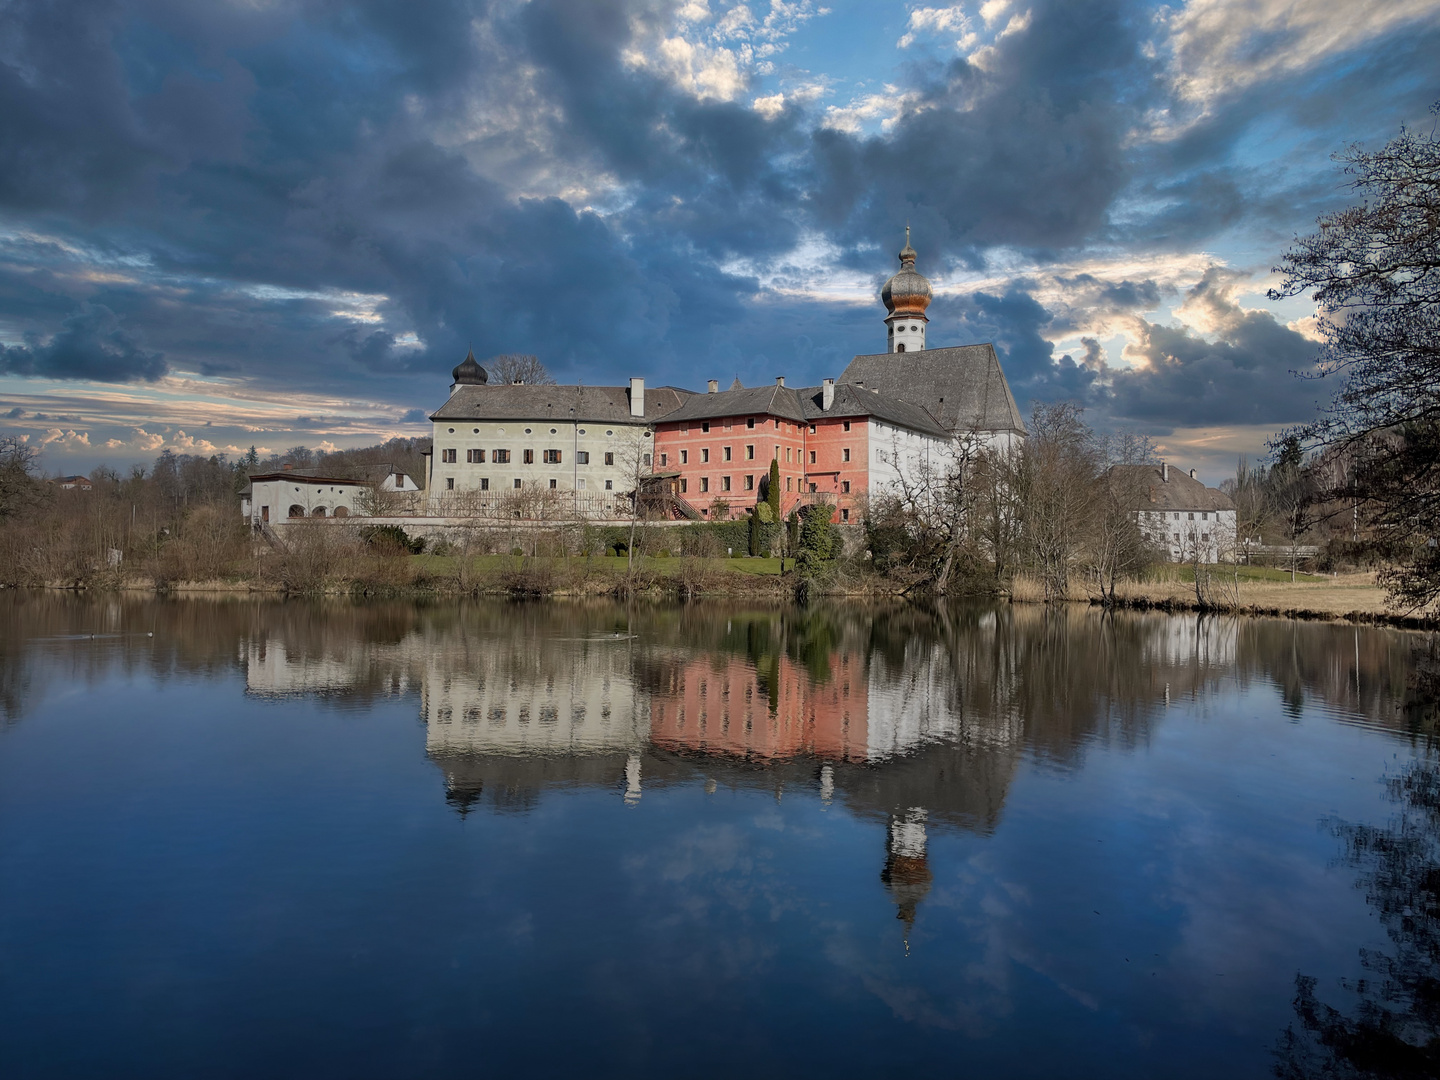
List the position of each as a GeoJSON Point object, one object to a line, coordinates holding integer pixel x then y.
{"type": "Point", "coordinates": [272, 223]}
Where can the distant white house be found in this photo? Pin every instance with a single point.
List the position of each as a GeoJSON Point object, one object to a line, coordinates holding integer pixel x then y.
{"type": "Point", "coordinates": [1178, 514]}
{"type": "Point", "coordinates": [73, 483]}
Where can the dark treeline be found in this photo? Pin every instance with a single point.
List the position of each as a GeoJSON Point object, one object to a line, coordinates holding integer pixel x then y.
{"type": "Point", "coordinates": [178, 520]}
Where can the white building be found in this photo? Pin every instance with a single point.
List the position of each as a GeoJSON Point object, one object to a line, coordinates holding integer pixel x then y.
{"type": "Point", "coordinates": [1178, 514]}
{"type": "Point", "coordinates": [273, 498]}
{"type": "Point", "coordinates": [492, 441]}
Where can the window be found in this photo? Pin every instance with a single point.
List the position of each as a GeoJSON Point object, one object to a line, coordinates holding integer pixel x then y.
{"type": "Point", "coordinates": [899, 348]}
{"type": "Point", "coordinates": [812, 457]}
{"type": "Point", "coordinates": [812, 429]}
{"type": "Point", "coordinates": [724, 483]}
{"type": "Point", "coordinates": [787, 455]}
{"type": "Point", "coordinates": [777, 424]}
{"type": "Point", "coordinates": [847, 425]}
{"type": "Point", "coordinates": [1204, 517]}
{"type": "Point", "coordinates": [726, 453]}
{"type": "Point", "coordinates": [580, 484]}
{"type": "Point", "coordinates": [500, 457]}
{"type": "Point", "coordinates": [552, 457]}
{"type": "Point", "coordinates": [683, 486]}
{"type": "Point", "coordinates": [553, 431]}
{"type": "Point", "coordinates": [705, 426]}
{"type": "Point", "coordinates": [449, 483]}
{"type": "Point", "coordinates": [684, 457]}
{"type": "Point", "coordinates": [664, 460]}
{"type": "Point", "coordinates": [529, 457]}
{"type": "Point", "coordinates": [484, 483]}
{"type": "Point", "coordinates": [750, 423]}
{"type": "Point", "coordinates": [845, 454]}
{"type": "Point", "coordinates": [1205, 537]}
{"type": "Point", "coordinates": [475, 457]}
{"type": "Point", "coordinates": [609, 457]}
{"type": "Point", "coordinates": [647, 459]}
{"type": "Point", "coordinates": [750, 452]}
{"type": "Point", "coordinates": [582, 457]}
{"type": "Point", "coordinates": [704, 483]}
{"type": "Point", "coordinates": [684, 429]}
{"type": "Point", "coordinates": [844, 515]}
{"type": "Point", "coordinates": [705, 454]}
{"type": "Point", "coordinates": [750, 482]}
{"type": "Point", "coordinates": [447, 456]}
{"type": "Point", "coordinates": [1190, 516]}
{"type": "Point", "coordinates": [845, 487]}
{"type": "Point", "coordinates": [729, 423]}
{"type": "Point", "coordinates": [812, 489]}
{"type": "Point", "coordinates": [517, 483]}
{"type": "Point", "coordinates": [609, 485]}
{"type": "Point", "coordinates": [451, 430]}
{"type": "Point", "coordinates": [787, 482]}
{"type": "Point", "coordinates": [552, 484]}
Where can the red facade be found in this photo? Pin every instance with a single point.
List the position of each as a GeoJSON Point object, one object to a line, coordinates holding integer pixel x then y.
{"type": "Point", "coordinates": [729, 457]}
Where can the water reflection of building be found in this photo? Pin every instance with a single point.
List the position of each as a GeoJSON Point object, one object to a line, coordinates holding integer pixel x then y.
{"type": "Point", "coordinates": [725, 704]}
{"type": "Point", "coordinates": [907, 868]}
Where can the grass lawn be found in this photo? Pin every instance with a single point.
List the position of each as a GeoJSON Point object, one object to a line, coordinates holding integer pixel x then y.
{"type": "Point", "coordinates": [1258, 573]}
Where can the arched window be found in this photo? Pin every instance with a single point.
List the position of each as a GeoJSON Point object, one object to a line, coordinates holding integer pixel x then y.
{"type": "Point", "coordinates": [342, 511]}
{"type": "Point", "coordinates": [900, 347]}
{"type": "Point", "coordinates": [319, 511]}
{"type": "Point", "coordinates": [297, 511]}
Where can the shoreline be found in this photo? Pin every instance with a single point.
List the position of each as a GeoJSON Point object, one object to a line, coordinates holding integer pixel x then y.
{"type": "Point", "coordinates": [1336, 605]}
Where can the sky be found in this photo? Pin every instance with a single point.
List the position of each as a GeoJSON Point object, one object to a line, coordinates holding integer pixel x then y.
{"type": "Point", "coordinates": [272, 223]}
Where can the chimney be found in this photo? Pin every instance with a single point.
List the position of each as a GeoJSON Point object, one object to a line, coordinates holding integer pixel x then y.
{"type": "Point", "coordinates": [713, 387]}
{"type": "Point", "coordinates": [827, 394]}
{"type": "Point", "coordinates": [1192, 474]}
{"type": "Point", "coordinates": [637, 397]}
{"type": "Point", "coordinates": [779, 380]}
{"type": "Point", "coordinates": [1165, 471]}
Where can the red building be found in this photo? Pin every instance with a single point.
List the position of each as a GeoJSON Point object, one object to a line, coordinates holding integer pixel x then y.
{"type": "Point", "coordinates": [719, 445]}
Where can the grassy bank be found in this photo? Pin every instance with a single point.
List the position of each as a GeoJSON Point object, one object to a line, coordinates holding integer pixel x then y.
{"type": "Point", "coordinates": [1258, 590]}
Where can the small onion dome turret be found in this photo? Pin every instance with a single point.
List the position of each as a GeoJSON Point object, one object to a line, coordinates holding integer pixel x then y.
{"type": "Point", "coordinates": [908, 292]}
{"type": "Point", "coordinates": [469, 373]}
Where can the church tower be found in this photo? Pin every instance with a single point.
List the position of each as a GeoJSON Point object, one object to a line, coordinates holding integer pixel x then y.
{"type": "Point", "coordinates": [906, 296]}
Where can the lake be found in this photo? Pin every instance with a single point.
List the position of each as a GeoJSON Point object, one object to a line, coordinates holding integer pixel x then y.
{"type": "Point", "coordinates": [256, 838]}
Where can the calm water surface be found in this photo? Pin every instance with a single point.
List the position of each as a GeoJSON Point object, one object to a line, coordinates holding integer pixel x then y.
{"type": "Point", "coordinates": [287, 839]}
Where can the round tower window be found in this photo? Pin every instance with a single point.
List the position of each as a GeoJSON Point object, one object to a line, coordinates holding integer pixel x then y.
{"type": "Point", "coordinates": [552, 431]}
{"type": "Point", "coordinates": [582, 431]}
{"type": "Point", "coordinates": [609, 433]}
{"type": "Point", "coordinates": [527, 431]}
{"type": "Point", "coordinates": [452, 431]}
{"type": "Point", "coordinates": [477, 431]}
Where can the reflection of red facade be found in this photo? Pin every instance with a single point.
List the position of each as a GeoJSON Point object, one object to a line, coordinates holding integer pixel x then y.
{"type": "Point", "coordinates": [727, 709]}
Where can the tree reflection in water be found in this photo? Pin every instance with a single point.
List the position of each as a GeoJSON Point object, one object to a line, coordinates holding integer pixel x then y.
{"type": "Point", "coordinates": [1393, 1029]}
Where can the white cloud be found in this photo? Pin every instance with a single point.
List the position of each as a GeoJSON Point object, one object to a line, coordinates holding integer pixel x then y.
{"type": "Point", "coordinates": [887, 107]}
{"type": "Point", "coordinates": [1217, 47]}
{"type": "Point", "coordinates": [65, 438]}
{"type": "Point", "coordinates": [716, 60]}
{"type": "Point", "coordinates": [935, 21]}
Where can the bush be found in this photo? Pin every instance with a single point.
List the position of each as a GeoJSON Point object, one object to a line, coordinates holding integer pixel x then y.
{"type": "Point", "coordinates": [517, 550]}
{"type": "Point", "coordinates": [663, 553]}
{"type": "Point", "coordinates": [391, 539]}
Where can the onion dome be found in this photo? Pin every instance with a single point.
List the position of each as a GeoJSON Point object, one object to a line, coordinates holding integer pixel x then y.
{"type": "Point", "coordinates": [469, 373]}
{"type": "Point", "coordinates": [908, 292]}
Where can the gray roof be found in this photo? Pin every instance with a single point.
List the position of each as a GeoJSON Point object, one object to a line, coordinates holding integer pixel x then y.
{"type": "Point", "coordinates": [961, 387]}
{"type": "Point", "coordinates": [520, 401]}
{"type": "Point", "coordinates": [1180, 492]}
{"type": "Point", "coordinates": [804, 404]}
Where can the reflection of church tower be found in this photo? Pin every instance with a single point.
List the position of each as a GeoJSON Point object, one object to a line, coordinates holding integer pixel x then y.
{"type": "Point", "coordinates": [907, 871]}
{"type": "Point", "coordinates": [906, 296]}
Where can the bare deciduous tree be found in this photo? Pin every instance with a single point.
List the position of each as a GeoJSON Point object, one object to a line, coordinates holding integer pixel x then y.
{"type": "Point", "coordinates": [518, 368]}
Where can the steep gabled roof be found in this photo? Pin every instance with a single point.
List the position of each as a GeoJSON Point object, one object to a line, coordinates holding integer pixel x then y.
{"type": "Point", "coordinates": [1180, 492]}
{"type": "Point", "coordinates": [521, 401]}
{"type": "Point", "coordinates": [961, 387]}
{"type": "Point", "coordinates": [804, 405]}
{"type": "Point", "coordinates": [857, 401]}
{"type": "Point", "coordinates": [773, 400]}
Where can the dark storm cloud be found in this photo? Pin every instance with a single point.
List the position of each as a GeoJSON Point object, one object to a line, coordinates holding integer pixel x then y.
{"type": "Point", "coordinates": [289, 192]}
{"type": "Point", "coordinates": [90, 345]}
{"type": "Point", "coordinates": [1247, 376]}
